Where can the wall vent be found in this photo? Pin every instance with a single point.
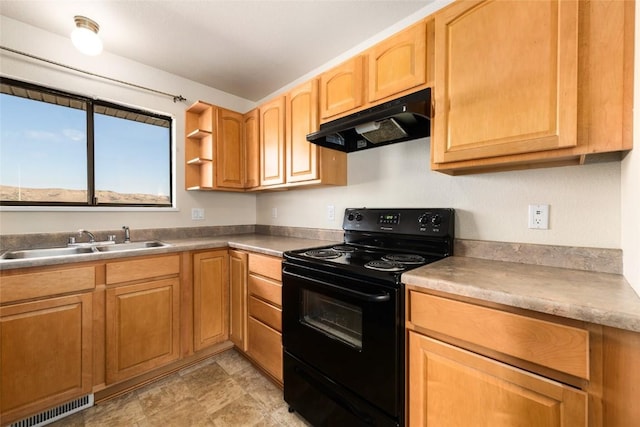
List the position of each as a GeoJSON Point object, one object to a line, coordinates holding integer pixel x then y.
{"type": "Point", "coordinates": [54, 414]}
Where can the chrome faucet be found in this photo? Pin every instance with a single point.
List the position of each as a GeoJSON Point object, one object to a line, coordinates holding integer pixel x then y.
{"type": "Point", "coordinates": [127, 234]}
{"type": "Point", "coordinates": [92, 238]}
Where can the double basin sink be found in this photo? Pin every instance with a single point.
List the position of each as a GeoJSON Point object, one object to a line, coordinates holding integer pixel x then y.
{"type": "Point", "coordinates": [89, 248]}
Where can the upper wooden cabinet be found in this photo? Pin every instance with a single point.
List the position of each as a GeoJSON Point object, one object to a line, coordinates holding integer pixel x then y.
{"type": "Point", "coordinates": [301, 119]}
{"type": "Point", "coordinates": [398, 63]}
{"type": "Point", "coordinates": [396, 66]}
{"type": "Point", "coordinates": [251, 138]}
{"type": "Point", "coordinates": [215, 153]}
{"type": "Point", "coordinates": [230, 153]}
{"type": "Point", "coordinates": [342, 88]}
{"type": "Point", "coordinates": [522, 84]}
{"type": "Point", "coordinates": [198, 146]}
{"type": "Point", "coordinates": [272, 122]}
{"type": "Point", "coordinates": [287, 158]}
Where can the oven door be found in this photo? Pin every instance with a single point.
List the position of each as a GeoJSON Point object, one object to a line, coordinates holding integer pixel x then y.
{"type": "Point", "coordinates": [349, 330]}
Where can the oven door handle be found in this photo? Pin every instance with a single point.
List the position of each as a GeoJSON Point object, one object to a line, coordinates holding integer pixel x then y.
{"type": "Point", "coordinates": [362, 296]}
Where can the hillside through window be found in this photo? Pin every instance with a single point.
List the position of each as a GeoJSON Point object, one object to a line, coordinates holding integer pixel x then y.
{"type": "Point", "coordinates": [61, 149]}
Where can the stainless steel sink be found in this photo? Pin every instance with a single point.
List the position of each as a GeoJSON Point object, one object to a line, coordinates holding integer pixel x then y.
{"type": "Point", "coordinates": [118, 247]}
{"type": "Point", "coordinates": [83, 249]}
{"type": "Point", "coordinates": [43, 253]}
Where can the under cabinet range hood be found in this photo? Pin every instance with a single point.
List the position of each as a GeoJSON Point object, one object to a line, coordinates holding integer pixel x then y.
{"type": "Point", "coordinates": [402, 119]}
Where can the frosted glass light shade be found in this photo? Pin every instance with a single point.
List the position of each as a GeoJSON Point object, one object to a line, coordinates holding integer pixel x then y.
{"type": "Point", "coordinates": [85, 36]}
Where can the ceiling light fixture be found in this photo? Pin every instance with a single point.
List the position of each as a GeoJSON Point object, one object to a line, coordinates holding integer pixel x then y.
{"type": "Point", "coordinates": [85, 36]}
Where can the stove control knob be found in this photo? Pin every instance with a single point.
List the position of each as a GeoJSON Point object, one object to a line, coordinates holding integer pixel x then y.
{"type": "Point", "coordinates": [358, 216]}
{"type": "Point", "coordinates": [350, 217]}
{"type": "Point", "coordinates": [423, 219]}
{"type": "Point", "coordinates": [436, 220]}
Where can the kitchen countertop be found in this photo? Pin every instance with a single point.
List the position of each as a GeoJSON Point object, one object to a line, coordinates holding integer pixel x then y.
{"type": "Point", "coordinates": [261, 243]}
{"type": "Point", "coordinates": [600, 298]}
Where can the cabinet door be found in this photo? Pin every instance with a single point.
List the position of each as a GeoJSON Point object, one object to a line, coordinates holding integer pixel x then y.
{"type": "Point", "coordinates": [505, 79]}
{"type": "Point", "coordinates": [272, 125]}
{"type": "Point", "coordinates": [342, 88]}
{"type": "Point", "coordinates": [302, 119]}
{"type": "Point", "coordinates": [398, 63]}
{"type": "Point", "coordinates": [210, 298]}
{"type": "Point", "coordinates": [251, 136]}
{"type": "Point", "coordinates": [453, 387]}
{"type": "Point", "coordinates": [238, 273]}
{"type": "Point", "coordinates": [45, 349]}
{"type": "Point", "coordinates": [230, 156]}
{"type": "Point", "coordinates": [142, 322]}
{"type": "Point", "coordinates": [265, 347]}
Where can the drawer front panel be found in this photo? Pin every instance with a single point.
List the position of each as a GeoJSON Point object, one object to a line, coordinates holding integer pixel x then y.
{"type": "Point", "coordinates": [266, 289]}
{"type": "Point", "coordinates": [266, 313]}
{"type": "Point", "coordinates": [265, 347]}
{"type": "Point", "coordinates": [559, 347]}
{"type": "Point", "coordinates": [46, 283]}
{"type": "Point", "coordinates": [146, 268]}
{"type": "Point", "coordinates": [265, 265]}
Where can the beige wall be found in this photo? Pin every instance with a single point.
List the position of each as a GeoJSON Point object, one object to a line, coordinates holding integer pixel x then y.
{"type": "Point", "coordinates": [585, 200]}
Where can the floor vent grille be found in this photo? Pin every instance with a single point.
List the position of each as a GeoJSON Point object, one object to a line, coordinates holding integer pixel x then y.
{"type": "Point", "coordinates": [54, 414]}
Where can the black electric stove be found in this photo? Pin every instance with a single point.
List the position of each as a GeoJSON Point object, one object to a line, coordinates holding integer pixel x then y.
{"type": "Point", "coordinates": [343, 315]}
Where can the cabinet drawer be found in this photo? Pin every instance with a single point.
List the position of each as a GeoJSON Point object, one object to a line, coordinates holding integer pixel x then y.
{"type": "Point", "coordinates": [559, 347]}
{"type": "Point", "coordinates": [145, 268]}
{"type": "Point", "coordinates": [266, 313]}
{"type": "Point", "coordinates": [265, 265]}
{"type": "Point", "coordinates": [46, 283]}
{"type": "Point", "coordinates": [266, 289]}
{"type": "Point", "coordinates": [265, 347]}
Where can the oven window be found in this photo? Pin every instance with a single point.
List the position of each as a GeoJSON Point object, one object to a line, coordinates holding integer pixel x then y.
{"type": "Point", "coordinates": [332, 316]}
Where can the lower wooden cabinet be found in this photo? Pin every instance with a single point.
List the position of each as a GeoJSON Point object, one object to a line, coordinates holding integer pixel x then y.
{"type": "Point", "coordinates": [45, 353]}
{"type": "Point", "coordinates": [450, 386]}
{"type": "Point", "coordinates": [265, 347]}
{"type": "Point", "coordinates": [210, 298]}
{"type": "Point", "coordinates": [142, 315]}
{"type": "Point", "coordinates": [142, 327]}
{"type": "Point", "coordinates": [262, 305]}
{"type": "Point", "coordinates": [238, 264]}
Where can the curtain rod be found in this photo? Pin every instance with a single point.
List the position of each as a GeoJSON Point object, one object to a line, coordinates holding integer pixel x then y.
{"type": "Point", "coordinates": [176, 98]}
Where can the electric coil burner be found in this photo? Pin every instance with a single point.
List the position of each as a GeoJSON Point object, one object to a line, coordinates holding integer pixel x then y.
{"type": "Point", "coordinates": [343, 315]}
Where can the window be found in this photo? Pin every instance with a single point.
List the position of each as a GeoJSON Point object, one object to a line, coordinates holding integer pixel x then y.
{"type": "Point", "coordinates": [60, 149]}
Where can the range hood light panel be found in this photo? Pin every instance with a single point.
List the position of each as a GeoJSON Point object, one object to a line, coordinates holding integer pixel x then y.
{"type": "Point", "coordinates": [383, 131]}
{"type": "Point", "coordinates": [367, 127]}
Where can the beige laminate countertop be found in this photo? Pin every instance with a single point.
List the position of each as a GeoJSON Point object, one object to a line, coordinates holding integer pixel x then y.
{"type": "Point", "coordinates": [261, 243]}
{"type": "Point", "coordinates": [600, 298]}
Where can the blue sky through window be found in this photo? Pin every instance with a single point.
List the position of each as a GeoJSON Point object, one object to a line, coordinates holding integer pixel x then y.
{"type": "Point", "coordinates": [44, 145]}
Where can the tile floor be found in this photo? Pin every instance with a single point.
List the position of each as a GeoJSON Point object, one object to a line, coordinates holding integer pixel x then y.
{"type": "Point", "coordinates": [224, 390]}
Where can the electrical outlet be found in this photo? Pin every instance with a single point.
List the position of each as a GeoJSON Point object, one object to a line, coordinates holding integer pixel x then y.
{"type": "Point", "coordinates": [539, 217]}
{"type": "Point", "coordinates": [331, 213]}
{"type": "Point", "coordinates": [197, 214]}
{"type": "Point", "coordinates": [274, 212]}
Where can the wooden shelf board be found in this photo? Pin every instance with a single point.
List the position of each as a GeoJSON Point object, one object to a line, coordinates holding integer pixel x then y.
{"type": "Point", "coordinates": [198, 161]}
{"type": "Point", "coordinates": [198, 134]}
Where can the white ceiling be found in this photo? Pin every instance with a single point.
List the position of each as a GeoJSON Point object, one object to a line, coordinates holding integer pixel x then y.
{"type": "Point", "coordinates": [246, 48]}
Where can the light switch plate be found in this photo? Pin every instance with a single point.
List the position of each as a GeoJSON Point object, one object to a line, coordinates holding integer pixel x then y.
{"type": "Point", "coordinates": [331, 213]}
{"type": "Point", "coordinates": [197, 214]}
